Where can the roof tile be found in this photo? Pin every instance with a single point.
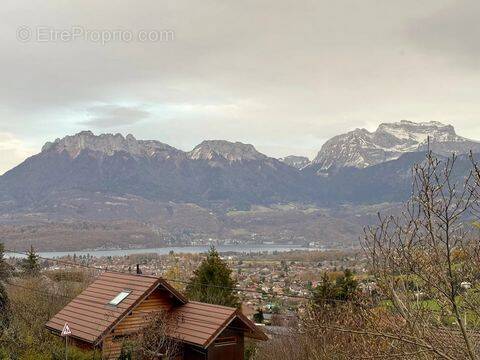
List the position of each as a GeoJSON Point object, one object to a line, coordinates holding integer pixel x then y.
{"type": "Point", "coordinates": [90, 316]}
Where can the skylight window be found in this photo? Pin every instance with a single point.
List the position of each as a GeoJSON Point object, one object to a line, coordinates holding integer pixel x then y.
{"type": "Point", "coordinates": [120, 297]}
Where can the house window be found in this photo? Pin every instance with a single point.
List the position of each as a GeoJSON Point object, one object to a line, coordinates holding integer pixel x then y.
{"type": "Point", "coordinates": [223, 341]}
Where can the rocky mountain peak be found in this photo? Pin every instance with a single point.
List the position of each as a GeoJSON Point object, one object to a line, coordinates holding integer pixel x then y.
{"type": "Point", "coordinates": [106, 144]}
{"type": "Point", "coordinates": [295, 161]}
{"type": "Point", "coordinates": [408, 131]}
{"type": "Point", "coordinates": [361, 148]}
{"type": "Point", "coordinates": [222, 149]}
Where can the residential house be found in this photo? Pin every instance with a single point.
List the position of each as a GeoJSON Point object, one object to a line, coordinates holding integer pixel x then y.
{"type": "Point", "coordinates": [117, 306]}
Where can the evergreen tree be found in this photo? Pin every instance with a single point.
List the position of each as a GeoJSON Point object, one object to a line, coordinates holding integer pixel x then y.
{"type": "Point", "coordinates": [325, 292]}
{"type": "Point", "coordinates": [212, 282]}
{"type": "Point", "coordinates": [258, 316]}
{"type": "Point", "coordinates": [344, 288]}
{"type": "Point", "coordinates": [30, 265]}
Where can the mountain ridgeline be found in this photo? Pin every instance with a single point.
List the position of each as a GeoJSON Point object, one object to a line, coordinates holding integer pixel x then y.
{"type": "Point", "coordinates": [357, 167]}
{"type": "Point", "coordinates": [360, 148]}
{"type": "Point", "coordinates": [214, 172]}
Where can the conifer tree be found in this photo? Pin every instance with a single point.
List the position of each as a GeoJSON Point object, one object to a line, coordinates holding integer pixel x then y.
{"type": "Point", "coordinates": [347, 286]}
{"type": "Point", "coordinates": [258, 316]}
{"type": "Point", "coordinates": [30, 265]}
{"type": "Point", "coordinates": [329, 292]}
{"type": "Point", "coordinates": [212, 282]}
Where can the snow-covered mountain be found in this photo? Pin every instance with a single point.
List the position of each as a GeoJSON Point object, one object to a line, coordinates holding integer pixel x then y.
{"type": "Point", "coordinates": [225, 150]}
{"type": "Point", "coordinates": [298, 162]}
{"type": "Point", "coordinates": [360, 148]}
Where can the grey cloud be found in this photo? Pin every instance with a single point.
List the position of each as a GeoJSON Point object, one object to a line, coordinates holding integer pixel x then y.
{"type": "Point", "coordinates": [111, 116]}
{"type": "Point", "coordinates": [452, 32]}
{"type": "Point", "coordinates": [280, 74]}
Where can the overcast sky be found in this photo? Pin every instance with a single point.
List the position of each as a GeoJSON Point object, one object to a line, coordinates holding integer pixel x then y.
{"type": "Point", "coordinates": [282, 75]}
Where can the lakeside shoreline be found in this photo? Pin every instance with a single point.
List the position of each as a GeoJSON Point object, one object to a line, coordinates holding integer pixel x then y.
{"type": "Point", "coordinates": [176, 249]}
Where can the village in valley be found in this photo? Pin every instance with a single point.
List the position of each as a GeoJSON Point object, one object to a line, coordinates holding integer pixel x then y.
{"type": "Point", "coordinates": [277, 284]}
{"type": "Point", "coordinates": [272, 290]}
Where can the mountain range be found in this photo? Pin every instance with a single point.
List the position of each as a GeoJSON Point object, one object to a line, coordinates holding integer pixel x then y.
{"type": "Point", "coordinates": [109, 177]}
{"type": "Point", "coordinates": [214, 171]}
{"type": "Point", "coordinates": [360, 148]}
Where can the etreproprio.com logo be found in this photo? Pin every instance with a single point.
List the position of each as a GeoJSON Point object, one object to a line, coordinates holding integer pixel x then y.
{"type": "Point", "coordinates": [99, 36]}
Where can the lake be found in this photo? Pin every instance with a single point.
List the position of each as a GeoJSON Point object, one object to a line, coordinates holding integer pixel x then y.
{"type": "Point", "coordinates": [177, 249]}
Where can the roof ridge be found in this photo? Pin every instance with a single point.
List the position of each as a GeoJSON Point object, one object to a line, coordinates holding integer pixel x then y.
{"type": "Point", "coordinates": [130, 274]}
{"type": "Point", "coordinates": [215, 305]}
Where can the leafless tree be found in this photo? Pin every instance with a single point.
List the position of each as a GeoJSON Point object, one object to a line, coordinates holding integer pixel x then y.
{"type": "Point", "coordinates": [426, 261]}
{"type": "Point", "coordinates": [155, 339]}
{"type": "Point", "coordinates": [353, 330]}
{"type": "Point", "coordinates": [426, 267]}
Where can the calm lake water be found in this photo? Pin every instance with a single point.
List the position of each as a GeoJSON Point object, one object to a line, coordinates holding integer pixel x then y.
{"type": "Point", "coordinates": [166, 250]}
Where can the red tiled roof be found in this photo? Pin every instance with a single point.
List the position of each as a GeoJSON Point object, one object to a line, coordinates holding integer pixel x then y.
{"type": "Point", "coordinates": [90, 316]}
{"type": "Point", "coordinates": [200, 323]}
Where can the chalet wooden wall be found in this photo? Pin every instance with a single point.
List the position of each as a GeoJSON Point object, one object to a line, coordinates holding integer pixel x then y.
{"type": "Point", "coordinates": [132, 323]}
{"type": "Point", "coordinates": [220, 350]}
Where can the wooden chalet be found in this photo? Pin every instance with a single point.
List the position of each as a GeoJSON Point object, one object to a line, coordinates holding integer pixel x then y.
{"type": "Point", "coordinates": [116, 306]}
